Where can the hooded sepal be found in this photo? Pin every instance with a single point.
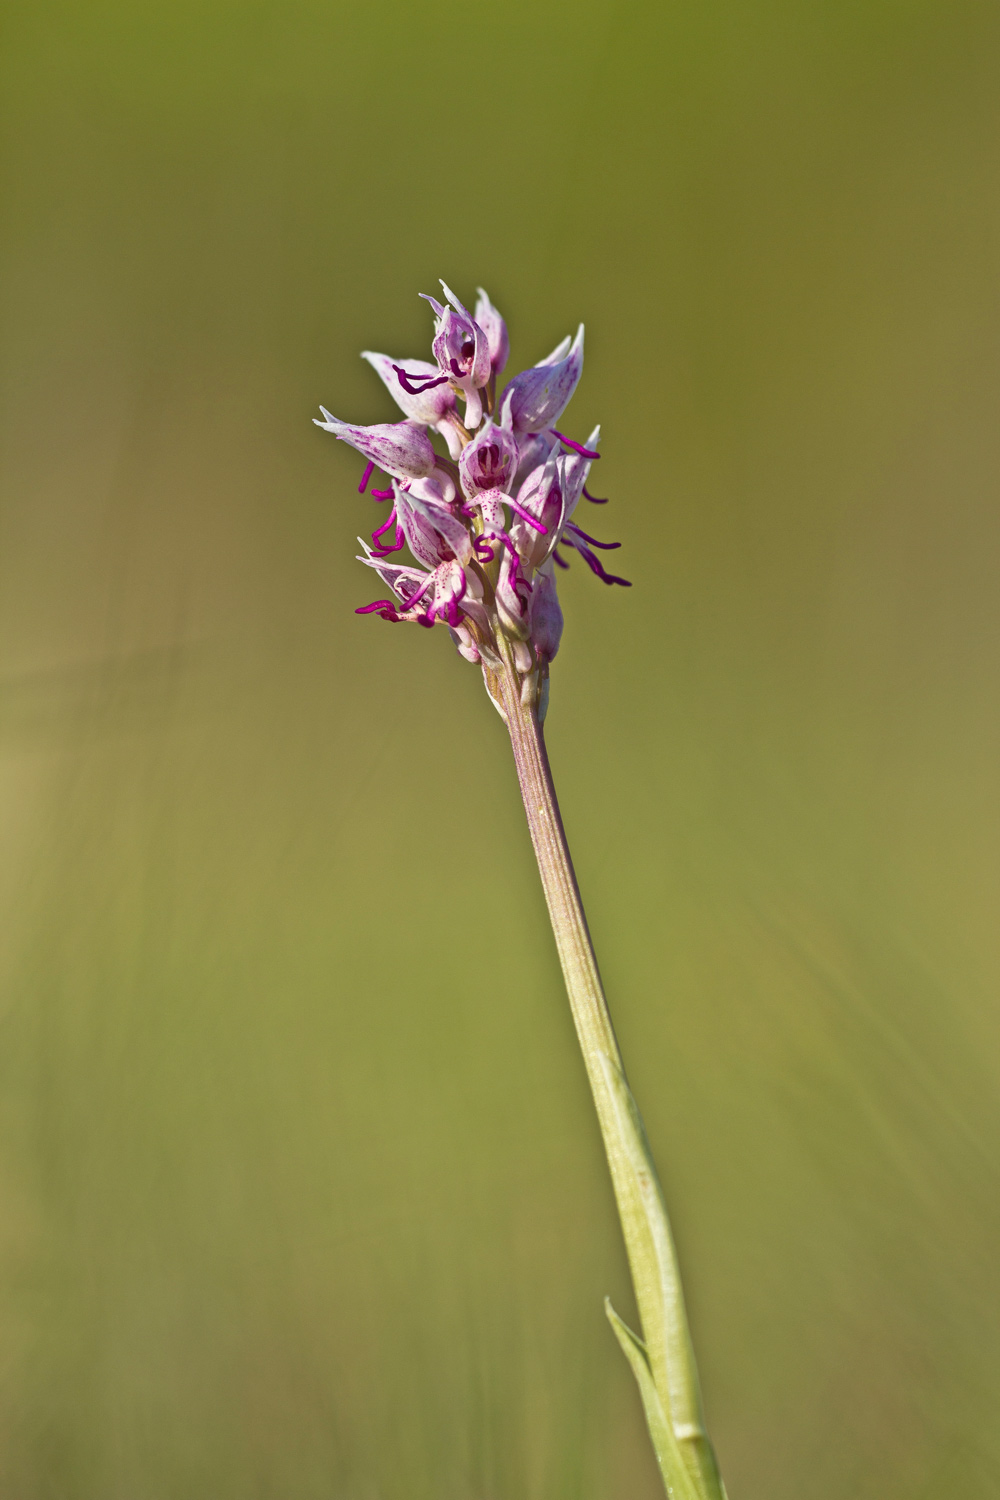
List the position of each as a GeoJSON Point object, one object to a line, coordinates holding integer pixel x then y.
{"type": "Point", "coordinates": [489, 462]}
{"type": "Point", "coordinates": [462, 351]}
{"type": "Point", "coordinates": [400, 448]}
{"type": "Point", "coordinates": [540, 395]}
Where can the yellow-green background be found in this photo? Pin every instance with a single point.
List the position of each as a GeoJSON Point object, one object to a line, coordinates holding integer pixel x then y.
{"type": "Point", "coordinates": [302, 1198]}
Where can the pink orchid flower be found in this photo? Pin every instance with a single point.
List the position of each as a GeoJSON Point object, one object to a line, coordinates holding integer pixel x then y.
{"type": "Point", "coordinates": [488, 525]}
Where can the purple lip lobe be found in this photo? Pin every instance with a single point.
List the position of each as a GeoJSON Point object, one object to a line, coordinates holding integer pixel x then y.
{"type": "Point", "coordinates": [577, 448]}
{"type": "Point", "coordinates": [409, 382]}
{"type": "Point", "coordinates": [605, 546]}
{"type": "Point", "coordinates": [381, 548]}
{"type": "Point", "coordinates": [596, 566]}
{"type": "Point", "coordinates": [527, 517]}
{"type": "Point", "coordinates": [385, 607]}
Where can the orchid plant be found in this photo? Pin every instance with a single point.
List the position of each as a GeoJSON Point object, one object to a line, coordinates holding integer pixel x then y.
{"type": "Point", "coordinates": [487, 524]}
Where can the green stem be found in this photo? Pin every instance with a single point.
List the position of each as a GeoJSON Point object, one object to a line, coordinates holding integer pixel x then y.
{"type": "Point", "coordinates": [671, 1395]}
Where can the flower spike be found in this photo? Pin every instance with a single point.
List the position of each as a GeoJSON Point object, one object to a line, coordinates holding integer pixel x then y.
{"type": "Point", "coordinates": [488, 528]}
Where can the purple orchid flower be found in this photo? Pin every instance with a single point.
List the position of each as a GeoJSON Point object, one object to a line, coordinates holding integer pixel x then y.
{"type": "Point", "coordinates": [403, 579]}
{"type": "Point", "coordinates": [400, 448]}
{"type": "Point", "coordinates": [550, 494]}
{"type": "Point", "coordinates": [488, 505]}
{"type": "Point", "coordinates": [541, 496]}
{"type": "Point", "coordinates": [462, 351]}
{"type": "Point", "coordinates": [495, 330]}
{"type": "Point", "coordinates": [540, 395]}
{"type": "Point", "coordinates": [487, 527]}
{"type": "Point", "coordinates": [575, 468]}
{"type": "Point", "coordinates": [433, 534]}
{"type": "Point", "coordinates": [446, 594]}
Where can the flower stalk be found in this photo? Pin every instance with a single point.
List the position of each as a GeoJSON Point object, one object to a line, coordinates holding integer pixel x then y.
{"type": "Point", "coordinates": [484, 525]}
{"type": "Point", "coordinates": [663, 1359]}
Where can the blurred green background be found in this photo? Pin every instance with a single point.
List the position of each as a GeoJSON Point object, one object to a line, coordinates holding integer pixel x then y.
{"type": "Point", "coordinates": [302, 1194]}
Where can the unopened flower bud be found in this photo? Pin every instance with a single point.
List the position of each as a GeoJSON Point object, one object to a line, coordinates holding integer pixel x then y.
{"type": "Point", "coordinates": [546, 615]}
{"type": "Point", "coordinates": [464, 643]}
{"type": "Point", "coordinates": [495, 330]}
{"type": "Point", "coordinates": [513, 595]}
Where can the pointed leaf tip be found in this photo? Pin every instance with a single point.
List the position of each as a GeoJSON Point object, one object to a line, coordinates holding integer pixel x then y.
{"type": "Point", "coordinates": [677, 1477]}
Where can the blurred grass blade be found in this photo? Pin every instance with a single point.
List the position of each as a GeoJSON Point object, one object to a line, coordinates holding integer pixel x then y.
{"type": "Point", "coordinates": [679, 1482]}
